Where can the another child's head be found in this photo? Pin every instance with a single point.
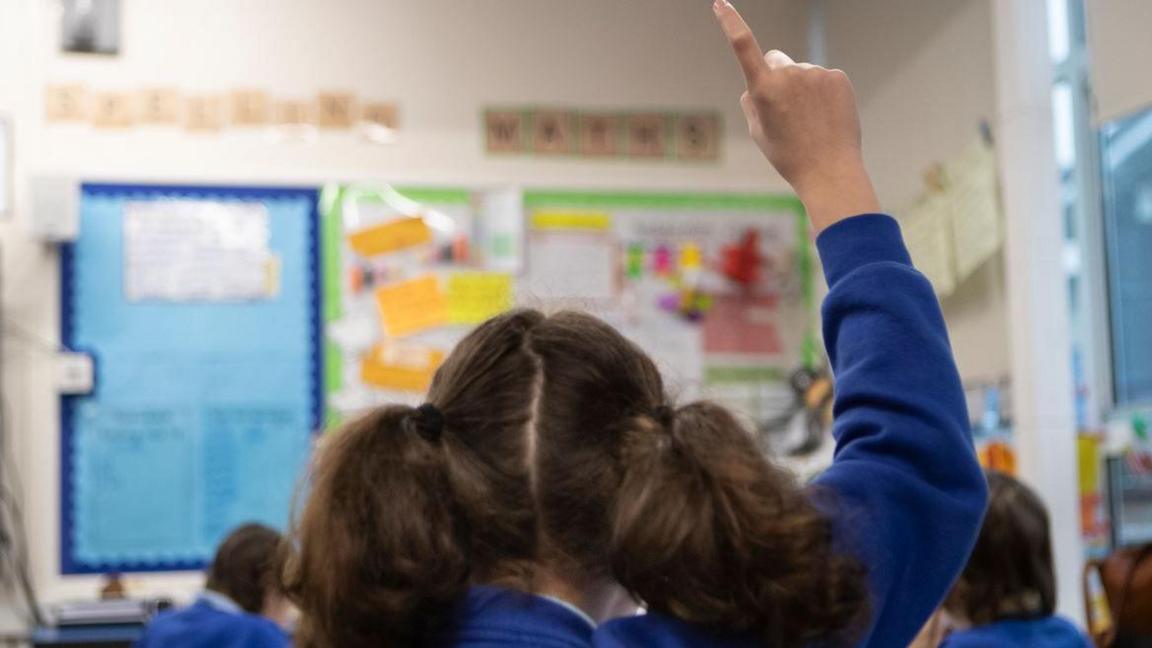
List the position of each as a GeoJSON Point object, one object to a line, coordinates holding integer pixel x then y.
{"type": "Point", "coordinates": [549, 456]}
{"type": "Point", "coordinates": [1010, 574]}
{"type": "Point", "coordinates": [246, 569]}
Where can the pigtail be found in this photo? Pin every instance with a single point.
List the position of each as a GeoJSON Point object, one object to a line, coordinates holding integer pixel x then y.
{"type": "Point", "coordinates": [705, 529]}
{"type": "Point", "coordinates": [379, 553]}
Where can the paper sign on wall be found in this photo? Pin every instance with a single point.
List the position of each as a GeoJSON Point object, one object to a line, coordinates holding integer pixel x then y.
{"type": "Point", "coordinates": [292, 113]}
{"type": "Point", "coordinates": [390, 236]}
{"type": "Point", "coordinates": [400, 367]}
{"type": "Point", "coordinates": [550, 271]}
{"type": "Point", "coordinates": [250, 108]}
{"type": "Point", "coordinates": [648, 135]}
{"type": "Point", "coordinates": [504, 130]}
{"type": "Point", "coordinates": [975, 205]}
{"type": "Point", "coordinates": [475, 297]}
{"type": "Point", "coordinates": [380, 114]}
{"type": "Point", "coordinates": [599, 135]}
{"type": "Point", "coordinates": [335, 109]}
{"type": "Point", "coordinates": [412, 306]}
{"type": "Point", "coordinates": [571, 220]}
{"type": "Point", "coordinates": [112, 110]}
{"type": "Point", "coordinates": [927, 231]}
{"type": "Point", "coordinates": [65, 103]}
{"type": "Point", "coordinates": [160, 106]}
{"type": "Point", "coordinates": [192, 250]}
{"type": "Point", "coordinates": [203, 114]}
{"type": "Point", "coordinates": [698, 137]}
{"type": "Point", "coordinates": [552, 132]}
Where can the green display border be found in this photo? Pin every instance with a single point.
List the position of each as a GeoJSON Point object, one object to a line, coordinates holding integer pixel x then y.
{"type": "Point", "coordinates": [332, 200]}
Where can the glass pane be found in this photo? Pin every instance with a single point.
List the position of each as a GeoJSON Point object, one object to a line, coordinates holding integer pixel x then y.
{"type": "Point", "coordinates": [1127, 168]}
{"type": "Point", "coordinates": [1064, 126]}
{"type": "Point", "coordinates": [1058, 33]}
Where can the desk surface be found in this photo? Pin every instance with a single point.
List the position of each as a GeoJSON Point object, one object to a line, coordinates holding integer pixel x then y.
{"type": "Point", "coordinates": [87, 635]}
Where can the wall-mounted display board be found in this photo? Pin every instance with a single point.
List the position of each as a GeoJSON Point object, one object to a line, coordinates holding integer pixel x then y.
{"type": "Point", "coordinates": [717, 287]}
{"type": "Point", "coordinates": [201, 308]}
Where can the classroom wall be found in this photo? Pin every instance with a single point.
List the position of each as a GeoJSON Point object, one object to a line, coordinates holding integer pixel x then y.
{"type": "Point", "coordinates": [925, 78]}
{"type": "Point", "coordinates": [442, 60]}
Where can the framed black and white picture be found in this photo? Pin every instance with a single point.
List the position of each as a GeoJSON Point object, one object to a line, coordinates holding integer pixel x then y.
{"type": "Point", "coordinates": [90, 26]}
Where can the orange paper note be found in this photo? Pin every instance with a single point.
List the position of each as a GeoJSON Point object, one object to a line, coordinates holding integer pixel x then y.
{"type": "Point", "coordinates": [412, 306]}
{"type": "Point", "coordinates": [404, 368]}
{"type": "Point", "coordinates": [390, 236]}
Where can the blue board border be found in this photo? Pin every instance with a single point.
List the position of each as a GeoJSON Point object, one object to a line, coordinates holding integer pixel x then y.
{"type": "Point", "coordinates": [68, 563]}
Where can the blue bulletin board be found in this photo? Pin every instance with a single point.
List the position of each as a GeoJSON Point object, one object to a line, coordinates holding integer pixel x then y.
{"type": "Point", "coordinates": [207, 391]}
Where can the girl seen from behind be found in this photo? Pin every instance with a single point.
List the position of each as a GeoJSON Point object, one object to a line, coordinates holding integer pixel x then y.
{"type": "Point", "coordinates": [549, 484]}
{"type": "Point", "coordinates": [1006, 596]}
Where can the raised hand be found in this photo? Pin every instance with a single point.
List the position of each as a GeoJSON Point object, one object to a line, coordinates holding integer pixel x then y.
{"type": "Point", "coordinates": [804, 119]}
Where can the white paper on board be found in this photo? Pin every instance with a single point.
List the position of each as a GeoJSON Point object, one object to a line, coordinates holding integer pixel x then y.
{"type": "Point", "coordinates": [189, 250]}
{"type": "Point", "coordinates": [571, 265]}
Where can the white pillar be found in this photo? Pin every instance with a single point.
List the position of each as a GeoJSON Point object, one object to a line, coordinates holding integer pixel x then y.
{"type": "Point", "coordinates": [1042, 396]}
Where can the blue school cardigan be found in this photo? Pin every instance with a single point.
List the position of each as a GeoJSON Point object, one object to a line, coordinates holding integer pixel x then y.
{"type": "Point", "coordinates": [1046, 632]}
{"type": "Point", "coordinates": [213, 621]}
{"type": "Point", "coordinates": [910, 493]}
{"type": "Point", "coordinates": [489, 617]}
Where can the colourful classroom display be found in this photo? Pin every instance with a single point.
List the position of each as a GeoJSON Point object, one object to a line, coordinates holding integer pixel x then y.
{"type": "Point", "coordinates": [204, 408]}
{"type": "Point", "coordinates": [717, 287]}
{"type": "Point", "coordinates": [209, 392]}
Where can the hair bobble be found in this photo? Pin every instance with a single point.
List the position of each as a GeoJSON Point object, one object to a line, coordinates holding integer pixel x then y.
{"type": "Point", "coordinates": [665, 416]}
{"type": "Point", "coordinates": [428, 421]}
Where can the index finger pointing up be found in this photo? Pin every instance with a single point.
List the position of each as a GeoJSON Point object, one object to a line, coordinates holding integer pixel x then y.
{"type": "Point", "coordinates": [743, 41]}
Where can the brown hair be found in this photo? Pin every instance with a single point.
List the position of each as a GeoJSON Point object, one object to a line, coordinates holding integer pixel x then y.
{"type": "Point", "coordinates": [1010, 573]}
{"type": "Point", "coordinates": [551, 444]}
{"type": "Point", "coordinates": [247, 565]}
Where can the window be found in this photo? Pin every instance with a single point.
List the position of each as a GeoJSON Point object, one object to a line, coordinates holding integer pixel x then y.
{"type": "Point", "coordinates": [1126, 147]}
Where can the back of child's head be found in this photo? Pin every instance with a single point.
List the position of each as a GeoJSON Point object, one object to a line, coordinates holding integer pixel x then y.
{"type": "Point", "coordinates": [549, 443]}
{"type": "Point", "coordinates": [1010, 573]}
{"type": "Point", "coordinates": [247, 565]}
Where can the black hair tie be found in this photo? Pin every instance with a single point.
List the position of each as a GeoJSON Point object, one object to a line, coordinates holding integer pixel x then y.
{"type": "Point", "coordinates": [428, 421]}
{"type": "Point", "coordinates": [665, 416]}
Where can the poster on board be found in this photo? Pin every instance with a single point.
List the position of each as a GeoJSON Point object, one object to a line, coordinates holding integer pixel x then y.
{"type": "Point", "coordinates": [716, 287]}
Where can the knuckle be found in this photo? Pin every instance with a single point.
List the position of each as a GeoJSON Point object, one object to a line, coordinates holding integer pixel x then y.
{"type": "Point", "coordinates": [761, 94]}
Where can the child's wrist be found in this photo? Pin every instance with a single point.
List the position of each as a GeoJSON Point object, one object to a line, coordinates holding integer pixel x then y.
{"type": "Point", "coordinates": [837, 192]}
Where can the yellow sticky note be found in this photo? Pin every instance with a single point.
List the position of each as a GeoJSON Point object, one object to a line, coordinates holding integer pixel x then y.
{"type": "Point", "coordinates": [411, 306]}
{"type": "Point", "coordinates": [475, 297]}
{"type": "Point", "coordinates": [571, 220]}
{"type": "Point", "coordinates": [390, 236]}
{"type": "Point", "coordinates": [401, 367]}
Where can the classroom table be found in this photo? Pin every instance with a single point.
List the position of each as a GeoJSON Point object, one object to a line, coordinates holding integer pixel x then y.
{"type": "Point", "coordinates": [107, 636]}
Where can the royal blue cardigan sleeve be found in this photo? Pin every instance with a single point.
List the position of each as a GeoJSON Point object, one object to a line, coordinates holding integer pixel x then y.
{"type": "Point", "coordinates": [908, 491]}
{"type": "Point", "coordinates": [904, 487]}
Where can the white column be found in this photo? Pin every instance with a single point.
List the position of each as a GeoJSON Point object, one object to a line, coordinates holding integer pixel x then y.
{"type": "Point", "coordinates": [1041, 344]}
